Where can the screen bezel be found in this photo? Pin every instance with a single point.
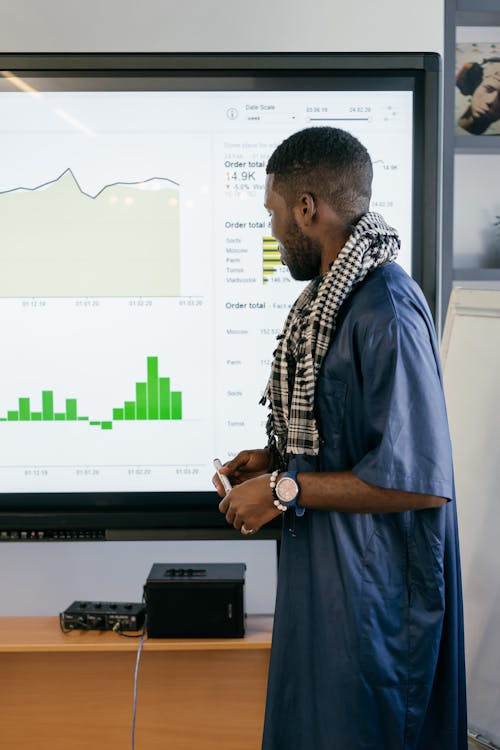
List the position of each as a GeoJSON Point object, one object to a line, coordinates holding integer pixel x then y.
{"type": "Point", "coordinates": [194, 515]}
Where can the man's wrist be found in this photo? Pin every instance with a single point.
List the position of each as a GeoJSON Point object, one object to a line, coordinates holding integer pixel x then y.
{"type": "Point", "coordinates": [286, 491]}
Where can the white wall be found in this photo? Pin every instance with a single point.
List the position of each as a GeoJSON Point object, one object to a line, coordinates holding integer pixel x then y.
{"type": "Point", "coordinates": [221, 25]}
{"type": "Point", "coordinates": [42, 579]}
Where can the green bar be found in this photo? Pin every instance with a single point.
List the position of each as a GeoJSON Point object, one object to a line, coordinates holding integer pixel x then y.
{"type": "Point", "coordinates": [117, 414]}
{"type": "Point", "coordinates": [24, 409]}
{"type": "Point", "coordinates": [83, 419]}
{"type": "Point", "coordinates": [60, 417]}
{"type": "Point", "coordinates": [141, 399]}
{"type": "Point", "coordinates": [3, 419]}
{"type": "Point", "coordinates": [129, 409]}
{"type": "Point", "coordinates": [152, 387]}
{"type": "Point", "coordinates": [71, 409]}
{"type": "Point", "coordinates": [94, 423]}
{"type": "Point", "coordinates": [165, 398]}
{"type": "Point", "coordinates": [106, 425]}
{"type": "Point", "coordinates": [13, 416]}
{"type": "Point", "coordinates": [47, 406]}
{"type": "Point", "coordinates": [36, 416]}
{"type": "Point", "coordinates": [176, 405]}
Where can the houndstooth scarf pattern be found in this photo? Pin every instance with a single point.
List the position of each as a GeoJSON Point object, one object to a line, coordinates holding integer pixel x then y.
{"type": "Point", "coordinates": [307, 334]}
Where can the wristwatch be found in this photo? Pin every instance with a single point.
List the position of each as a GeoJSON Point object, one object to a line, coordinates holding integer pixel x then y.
{"type": "Point", "coordinates": [287, 491]}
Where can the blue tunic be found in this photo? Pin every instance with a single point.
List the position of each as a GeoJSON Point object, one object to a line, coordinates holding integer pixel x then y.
{"type": "Point", "coordinates": [368, 639]}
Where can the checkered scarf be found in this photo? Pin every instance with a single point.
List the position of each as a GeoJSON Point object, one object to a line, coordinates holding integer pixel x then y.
{"type": "Point", "coordinates": [307, 334]}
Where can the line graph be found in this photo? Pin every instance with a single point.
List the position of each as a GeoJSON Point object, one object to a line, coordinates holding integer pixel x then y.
{"type": "Point", "coordinates": [69, 171]}
{"type": "Point", "coordinates": [56, 240]}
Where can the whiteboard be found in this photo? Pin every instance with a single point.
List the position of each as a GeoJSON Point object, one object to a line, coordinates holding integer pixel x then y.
{"type": "Point", "coordinates": [471, 363]}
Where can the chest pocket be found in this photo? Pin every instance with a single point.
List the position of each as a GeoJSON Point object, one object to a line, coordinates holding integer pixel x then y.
{"type": "Point", "coordinates": [331, 396]}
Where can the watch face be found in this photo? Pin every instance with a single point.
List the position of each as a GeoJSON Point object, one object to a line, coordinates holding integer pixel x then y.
{"type": "Point", "coordinates": [287, 489]}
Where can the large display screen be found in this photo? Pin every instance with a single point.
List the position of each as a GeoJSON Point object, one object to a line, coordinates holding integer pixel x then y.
{"type": "Point", "coordinates": [141, 291]}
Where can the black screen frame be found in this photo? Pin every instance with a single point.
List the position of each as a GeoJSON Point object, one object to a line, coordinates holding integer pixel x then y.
{"type": "Point", "coordinates": [194, 515]}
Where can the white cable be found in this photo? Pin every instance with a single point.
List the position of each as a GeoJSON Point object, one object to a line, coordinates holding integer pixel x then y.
{"type": "Point", "coordinates": [137, 661]}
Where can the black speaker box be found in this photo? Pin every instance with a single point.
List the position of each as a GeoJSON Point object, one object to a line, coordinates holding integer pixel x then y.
{"type": "Point", "coordinates": [195, 600]}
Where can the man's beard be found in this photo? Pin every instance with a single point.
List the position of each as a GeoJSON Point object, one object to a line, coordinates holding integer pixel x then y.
{"type": "Point", "coordinates": [300, 254]}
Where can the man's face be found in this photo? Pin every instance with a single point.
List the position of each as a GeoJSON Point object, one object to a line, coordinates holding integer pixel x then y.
{"type": "Point", "coordinates": [300, 253]}
{"type": "Point", "coordinates": [486, 98]}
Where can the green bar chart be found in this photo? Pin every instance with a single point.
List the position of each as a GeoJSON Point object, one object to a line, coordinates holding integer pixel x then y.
{"type": "Point", "coordinates": [154, 400]}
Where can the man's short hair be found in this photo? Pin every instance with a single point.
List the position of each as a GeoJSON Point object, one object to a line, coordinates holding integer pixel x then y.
{"type": "Point", "coordinates": [329, 163]}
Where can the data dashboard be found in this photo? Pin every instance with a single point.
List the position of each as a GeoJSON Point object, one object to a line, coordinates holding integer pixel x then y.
{"type": "Point", "coordinates": [141, 290]}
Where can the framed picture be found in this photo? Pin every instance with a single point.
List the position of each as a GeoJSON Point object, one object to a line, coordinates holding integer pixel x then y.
{"type": "Point", "coordinates": [476, 230]}
{"type": "Point", "coordinates": [477, 92]}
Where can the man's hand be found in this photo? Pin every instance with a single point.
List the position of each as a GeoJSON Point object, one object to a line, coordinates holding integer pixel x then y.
{"type": "Point", "coordinates": [249, 505]}
{"type": "Point", "coordinates": [246, 465]}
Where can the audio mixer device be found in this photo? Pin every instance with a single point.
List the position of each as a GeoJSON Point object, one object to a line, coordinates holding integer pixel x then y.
{"type": "Point", "coordinates": [82, 615]}
{"type": "Point", "coordinates": [186, 600]}
{"type": "Point", "coordinates": [202, 600]}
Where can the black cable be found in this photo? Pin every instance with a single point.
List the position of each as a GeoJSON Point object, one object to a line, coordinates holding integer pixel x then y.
{"type": "Point", "coordinates": [126, 635]}
{"type": "Point", "coordinates": [81, 625]}
{"type": "Point", "coordinates": [116, 629]}
{"type": "Point", "coordinates": [63, 629]}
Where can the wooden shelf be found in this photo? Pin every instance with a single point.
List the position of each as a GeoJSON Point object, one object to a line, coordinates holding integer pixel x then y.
{"type": "Point", "coordinates": [43, 634]}
{"type": "Point", "coordinates": [76, 691]}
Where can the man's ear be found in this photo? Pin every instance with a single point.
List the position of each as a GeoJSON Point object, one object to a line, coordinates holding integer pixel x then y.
{"type": "Point", "coordinates": [305, 210]}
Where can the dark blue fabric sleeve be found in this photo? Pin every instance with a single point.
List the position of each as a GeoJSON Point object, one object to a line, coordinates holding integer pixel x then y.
{"type": "Point", "coordinates": [404, 411]}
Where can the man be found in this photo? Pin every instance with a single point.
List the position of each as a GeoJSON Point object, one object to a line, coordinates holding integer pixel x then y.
{"type": "Point", "coordinates": [367, 647]}
{"type": "Point", "coordinates": [481, 82]}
